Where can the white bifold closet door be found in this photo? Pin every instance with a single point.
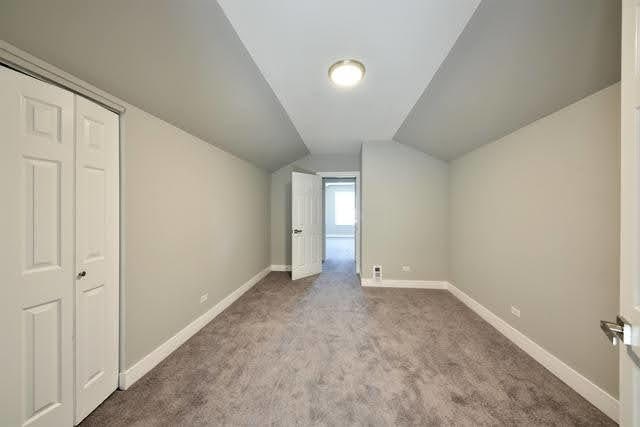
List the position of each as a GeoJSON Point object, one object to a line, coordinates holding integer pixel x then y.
{"type": "Point", "coordinates": [58, 217]}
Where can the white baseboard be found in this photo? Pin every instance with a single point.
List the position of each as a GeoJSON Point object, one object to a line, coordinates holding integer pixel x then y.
{"type": "Point", "coordinates": [280, 268]}
{"type": "Point", "coordinates": [137, 371]}
{"type": "Point", "coordinates": [414, 284]}
{"type": "Point", "coordinates": [590, 391]}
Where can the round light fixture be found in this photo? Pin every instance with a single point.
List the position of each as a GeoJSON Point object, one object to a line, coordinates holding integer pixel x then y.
{"type": "Point", "coordinates": [346, 73]}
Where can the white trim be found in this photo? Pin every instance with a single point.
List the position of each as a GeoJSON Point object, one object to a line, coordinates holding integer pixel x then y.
{"type": "Point", "coordinates": [583, 386]}
{"type": "Point", "coordinates": [29, 64]}
{"type": "Point", "coordinates": [122, 355]}
{"type": "Point", "coordinates": [339, 236]}
{"type": "Point", "coordinates": [349, 174]}
{"type": "Point", "coordinates": [413, 284]}
{"type": "Point", "coordinates": [280, 267]}
{"type": "Point", "coordinates": [137, 371]}
{"type": "Point", "coordinates": [357, 225]}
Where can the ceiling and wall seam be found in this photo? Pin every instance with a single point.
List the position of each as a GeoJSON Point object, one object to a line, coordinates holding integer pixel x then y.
{"type": "Point", "coordinates": [514, 63]}
{"type": "Point", "coordinates": [275, 94]}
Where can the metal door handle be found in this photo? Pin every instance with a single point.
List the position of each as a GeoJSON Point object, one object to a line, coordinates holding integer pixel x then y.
{"type": "Point", "coordinates": [296, 231]}
{"type": "Point", "coordinates": [82, 274]}
{"type": "Point", "coordinates": [619, 331]}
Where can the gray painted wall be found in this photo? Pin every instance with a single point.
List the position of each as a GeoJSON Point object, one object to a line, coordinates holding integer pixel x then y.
{"type": "Point", "coordinates": [281, 197]}
{"type": "Point", "coordinates": [535, 224]}
{"type": "Point", "coordinates": [196, 221]}
{"type": "Point", "coordinates": [405, 210]}
{"type": "Point", "coordinates": [330, 226]}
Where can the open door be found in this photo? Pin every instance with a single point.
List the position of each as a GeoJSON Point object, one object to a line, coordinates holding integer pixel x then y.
{"type": "Point", "coordinates": [306, 225]}
{"type": "Point", "coordinates": [626, 329]}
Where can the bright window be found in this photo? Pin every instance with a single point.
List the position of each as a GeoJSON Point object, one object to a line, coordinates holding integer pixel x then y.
{"type": "Point", "coordinates": [345, 208]}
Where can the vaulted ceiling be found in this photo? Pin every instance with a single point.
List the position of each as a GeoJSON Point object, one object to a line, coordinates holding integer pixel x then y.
{"type": "Point", "coordinates": [250, 76]}
{"type": "Point", "coordinates": [401, 44]}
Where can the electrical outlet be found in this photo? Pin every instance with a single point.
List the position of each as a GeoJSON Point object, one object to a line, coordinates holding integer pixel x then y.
{"type": "Point", "coordinates": [515, 311]}
{"type": "Point", "coordinates": [203, 298]}
{"type": "Point", "coordinates": [406, 268]}
{"type": "Point", "coordinates": [377, 273]}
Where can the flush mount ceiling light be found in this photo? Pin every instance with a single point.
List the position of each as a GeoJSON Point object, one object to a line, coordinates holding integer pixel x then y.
{"type": "Point", "coordinates": [346, 73]}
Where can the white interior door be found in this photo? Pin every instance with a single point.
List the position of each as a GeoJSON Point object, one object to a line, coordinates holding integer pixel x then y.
{"type": "Point", "coordinates": [36, 252]}
{"type": "Point", "coordinates": [306, 225]}
{"type": "Point", "coordinates": [630, 215]}
{"type": "Point", "coordinates": [96, 255]}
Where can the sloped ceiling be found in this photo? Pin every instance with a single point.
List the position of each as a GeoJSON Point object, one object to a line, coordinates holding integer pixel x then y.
{"type": "Point", "coordinates": [179, 60]}
{"type": "Point", "coordinates": [444, 76]}
{"type": "Point", "coordinates": [401, 44]}
{"type": "Point", "coordinates": [516, 62]}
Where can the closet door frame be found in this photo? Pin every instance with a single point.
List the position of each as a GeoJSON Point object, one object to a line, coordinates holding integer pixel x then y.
{"type": "Point", "coordinates": [21, 61]}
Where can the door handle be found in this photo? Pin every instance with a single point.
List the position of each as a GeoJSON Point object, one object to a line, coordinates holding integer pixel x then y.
{"type": "Point", "coordinates": [620, 331]}
{"type": "Point", "coordinates": [296, 231]}
{"type": "Point", "coordinates": [82, 274]}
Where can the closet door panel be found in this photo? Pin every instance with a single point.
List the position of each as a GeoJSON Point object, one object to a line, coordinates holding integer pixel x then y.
{"type": "Point", "coordinates": [96, 255]}
{"type": "Point", "coordinates": [36, 251]}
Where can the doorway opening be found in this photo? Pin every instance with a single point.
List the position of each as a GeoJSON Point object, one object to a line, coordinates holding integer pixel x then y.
{"type": "Point", "coordinates": [340, 224]}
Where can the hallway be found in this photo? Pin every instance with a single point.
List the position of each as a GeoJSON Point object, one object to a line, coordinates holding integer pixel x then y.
{"type": "Point", "coordinates": [340, 255]}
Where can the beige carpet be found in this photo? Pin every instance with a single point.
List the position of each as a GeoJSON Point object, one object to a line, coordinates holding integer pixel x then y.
{"type": "Point", "coordinates": [325, 351]}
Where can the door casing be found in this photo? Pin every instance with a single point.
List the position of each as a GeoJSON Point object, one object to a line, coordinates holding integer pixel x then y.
{"type": "Point", "coordinates": [630, 213]}
{"type": "Point", "coordinates": [356, 176]}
